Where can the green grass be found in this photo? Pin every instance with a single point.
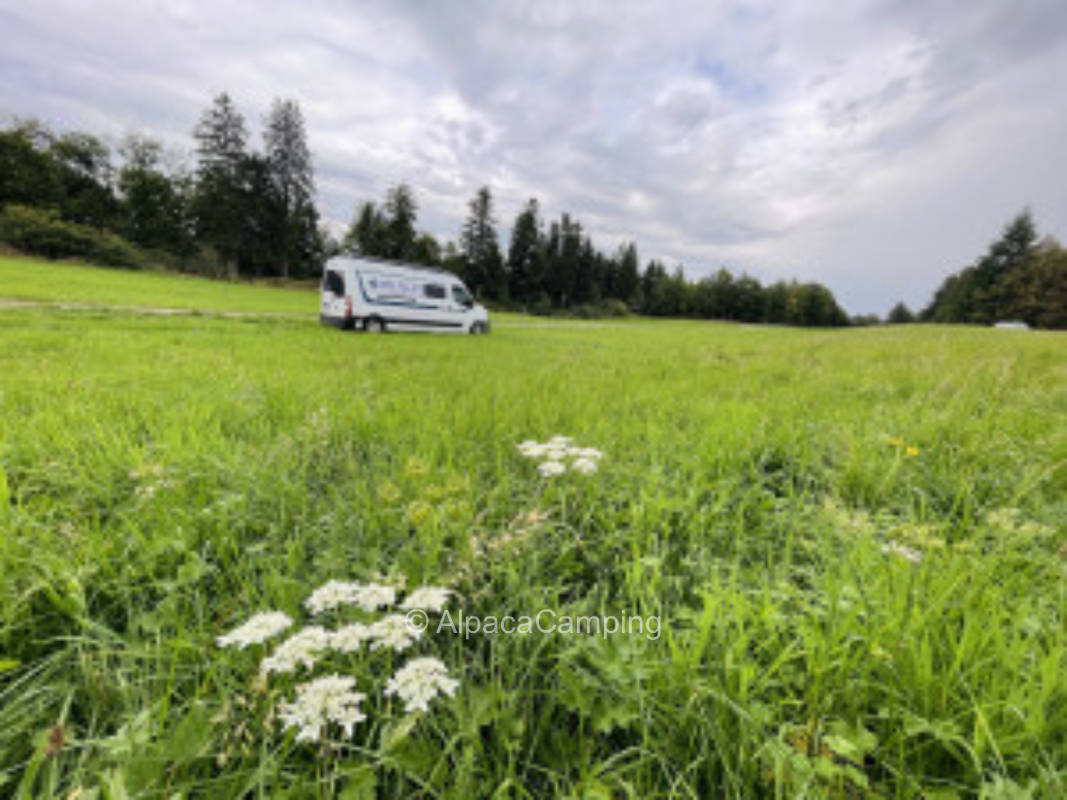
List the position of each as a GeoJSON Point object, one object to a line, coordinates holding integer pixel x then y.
{"type": "Point", "coordinates": [164, 478]}
{"type": "Point", "coordinates": [56, 282]}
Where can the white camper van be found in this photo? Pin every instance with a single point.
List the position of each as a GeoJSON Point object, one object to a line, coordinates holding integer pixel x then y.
{"type": "Point", "coordinates": [376, 295]}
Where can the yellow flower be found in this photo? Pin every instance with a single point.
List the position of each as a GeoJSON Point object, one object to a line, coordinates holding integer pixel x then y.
{"type": "Point", "coordinates": [912, 451]}
{"type": "Point", "coordinates": [896, 441]}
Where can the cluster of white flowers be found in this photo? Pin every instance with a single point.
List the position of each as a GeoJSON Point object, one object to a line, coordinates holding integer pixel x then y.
{"type": "Point", "coordinates": [330, 595]}
{"type": "Point", "coordinates": [905, 552]}
{"type": "Point", "coordinates": [428, 598]}
{"type": "Point", "coordinates": [419, 681]}
{"type": "Point", "coordinates": [258, 629]}
{"type": "Point", "coordinates": [350, 638]}
{"type": "Point", "coordinates": [585, 465]}
{"type": "Point", "coordinates": [303, 647]}
{"type": "Point", "coordinates": [555, 453]}
{"type": "Point", "coordinates": [331, 698]}
{"type": "Point", "coordinates": [375, 595]}
{"type": "Point", "coordinates": [393, 631]}
{"type": "Point", "coordinates": [549, 469]}
{"type": "Point", "coordinates": [333, 594]}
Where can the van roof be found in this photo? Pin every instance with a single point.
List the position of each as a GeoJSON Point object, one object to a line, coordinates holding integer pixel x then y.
{"type": "Point", "coordinates": [388, 262]}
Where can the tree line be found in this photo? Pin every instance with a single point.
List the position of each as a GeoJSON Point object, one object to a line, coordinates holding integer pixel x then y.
{"type": "Point", "coordinates": [239, 211]}
{"type": "Point", "coordinates": [555, 266]}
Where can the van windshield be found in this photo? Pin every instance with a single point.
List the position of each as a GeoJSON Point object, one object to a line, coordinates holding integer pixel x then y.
{"type": "Point", "coordinates": [461, 296]}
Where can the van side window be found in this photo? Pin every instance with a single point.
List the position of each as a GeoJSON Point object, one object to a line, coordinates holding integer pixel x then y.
{"type": "Point", "coordinates": [460, 295]}
{"type": "Point", "coordinates": [333, 283]}
{"type": "Point", "coordinates": [434, 290]}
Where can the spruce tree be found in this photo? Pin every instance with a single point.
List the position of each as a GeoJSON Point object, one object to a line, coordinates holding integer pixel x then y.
{"type": "Point", "coordinates": [626, 284]}
{"type": "Point", "coordinates": [221, 140]}
{"type": "Point", "coordinates": [289, 167]}
{"type": "Point", "coordinates": [401, 211]}
{"type": "Point", "coordinates": [526, 259]}
{"type": "Point", "coordinates": [484, 265]}
{"type": "Point", "coordinates": [900, 314]}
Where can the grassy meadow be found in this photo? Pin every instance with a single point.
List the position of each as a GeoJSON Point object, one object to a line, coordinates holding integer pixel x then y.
{"type": "Point", "coordinates": [32, 279]}
{"type": "Point", "coordinates": [855, 540]}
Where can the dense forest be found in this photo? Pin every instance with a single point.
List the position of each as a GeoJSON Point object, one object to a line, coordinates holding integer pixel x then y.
{"type": "Point", "coordinates": [557, 267]}
{"type": "Point", "coordinates": [239, 211]}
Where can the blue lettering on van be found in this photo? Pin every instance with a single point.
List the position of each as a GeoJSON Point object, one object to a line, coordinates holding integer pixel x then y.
{"type": "Point", "coordinates": [383, 284]}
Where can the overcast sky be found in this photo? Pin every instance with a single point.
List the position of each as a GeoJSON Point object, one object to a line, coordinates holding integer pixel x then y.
{"type": "Point", "coordinates": [874, 147]}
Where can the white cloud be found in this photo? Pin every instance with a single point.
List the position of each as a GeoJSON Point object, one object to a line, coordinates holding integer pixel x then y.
{"type": "Point", "coordinates": [872, 146]}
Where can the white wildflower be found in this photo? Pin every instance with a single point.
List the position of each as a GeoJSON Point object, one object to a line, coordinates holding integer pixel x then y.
{"type": "Point", "coordinates": [331, 595]}
{"type": "Point", "coordinates": [428, 598]}
{"type": "Point", "coordinates": [303, 647]}
{"type": "Point", "coordinates": [258, 629]}
{"type": "Point", "coordinates": [330, 698]}
{"type": "Point", "coordinates": [903, 551]}
{"type": "Point", "coordinates": [369, 597]}
{"type": "Point", "coordinates": [419, 681]}
{"type": "Point", "coordinates": [373, 596]}
{"type": "Point", "coordinates": [550, 468]}
{"type": "Point", "coordinates": [393, 631]}
{"type": "Point", "coordinates": [586, 466]}
{"type": "Point", "coordinates": [558, 453]}
{"type": "Point", "coordinates": [531, 449]}
{"type": "Point", "coordinates": [350, 638]}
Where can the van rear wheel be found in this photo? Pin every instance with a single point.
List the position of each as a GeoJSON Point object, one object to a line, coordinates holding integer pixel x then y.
{"type": "Point", "coordinates": [374, 325]}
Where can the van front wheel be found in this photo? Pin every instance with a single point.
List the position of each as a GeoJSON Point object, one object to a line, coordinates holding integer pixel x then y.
{"type": "Point", "coordinates": [478, 327]}
{"type": "Point", "coordinates": [374, 325]}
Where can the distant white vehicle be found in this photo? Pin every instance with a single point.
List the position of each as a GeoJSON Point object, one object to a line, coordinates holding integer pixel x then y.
{"type": "Point", "coordinates": [1012, 325]}
{"type": "Point", "coordinates": [377, 295]}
